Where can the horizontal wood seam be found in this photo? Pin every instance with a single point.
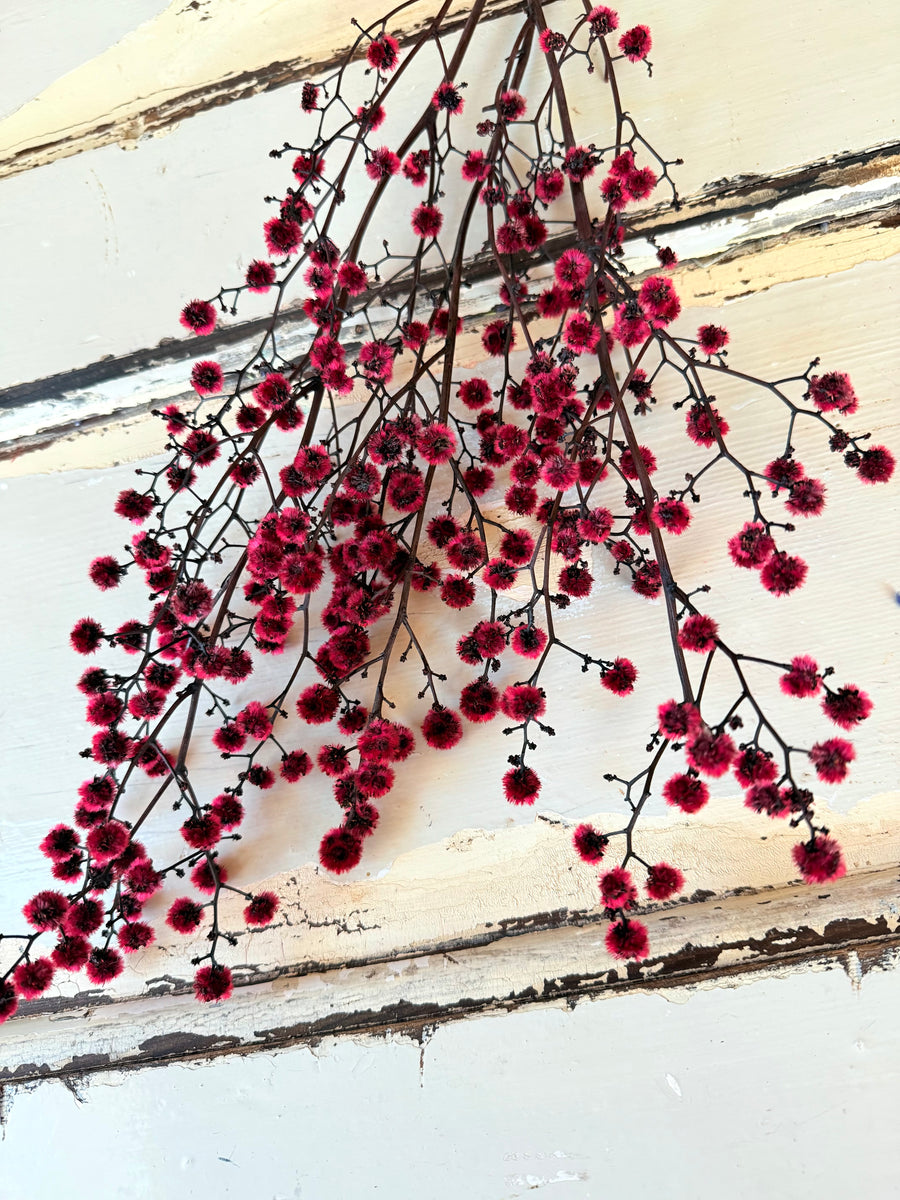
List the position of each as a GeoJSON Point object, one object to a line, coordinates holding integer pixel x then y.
{"type": "Point", "coordinates": [721, 202]}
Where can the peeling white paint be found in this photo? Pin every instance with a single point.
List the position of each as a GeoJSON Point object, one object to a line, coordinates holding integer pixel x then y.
{"type": "Point", "coordinates": [700, 248]}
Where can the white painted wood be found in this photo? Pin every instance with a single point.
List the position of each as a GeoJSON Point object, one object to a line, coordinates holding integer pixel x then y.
{"type": "Point", "coordinates": [783, 1088]}
{"type": "Point", "coordinates": [374, 982]}
{"type": "Point", "coordinates": [108, 245]}
{"type": "Point", "coordinates": [711, 255]}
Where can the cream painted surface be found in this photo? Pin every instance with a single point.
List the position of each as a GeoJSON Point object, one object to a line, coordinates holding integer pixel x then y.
{"type": "Point", "coordinates": [784, 1088]}
{"type": "Point", "coordinates": [751, 89]}
{"type": "Point", "coordinates": [188, 47]}
{"type": "Point", "coordinates": [43, 42]}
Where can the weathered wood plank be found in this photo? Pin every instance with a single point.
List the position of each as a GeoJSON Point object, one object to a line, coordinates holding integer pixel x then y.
{"type": "Point", "coordinates": [830, 217]}
{"type": "Point", "coordinates": [191, 58]}
{"type": "Point", "coordinates": [102, 274]}
{"type": "Point", "coordinates": [855, 924]}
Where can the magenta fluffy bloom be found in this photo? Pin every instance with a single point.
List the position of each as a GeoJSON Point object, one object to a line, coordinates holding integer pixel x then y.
{"type": "Point", "coordinates": [447, 99]}
{"type": "Point", "coordinates": [383, 52]}
{"type": "Point", "coordinates": [260, 276]}
{"type": "Point", "coordinates": [202, 830]}
{"type": "Point", "coordinates": [436, 443]}
{"type": "Point", "coordinates": [589, 843]}
{"type": "Point", "coordinates": [185, 915]}
{"type": "Point", "coordinates": [340, 850]}
{"type": "Point", "coordinates": [427, 220]}
{"type": "Point", "coordinates": [523, 702]}
{"type": "Point", "coordinates": [832, 759]}
{"type": "Point", "coordinates": [198, 317]}
{"type": "Point", "coordinates": [550, 40]}
{"type": "Point", "coordinates": [833, 391]}
{"type": "Point", "coordinates": [712, 339]}
{"type": "Point", "coordinates": [672, 515]}
{"type": "Point", "coordinates": [617, 889]}
{"type": "Point", "coordinates": [406, 490]}
{"type": "Point", "coordinates": [754, 766]}
{"type": "Point", "coordinates": [104, 965]}
{"type": "Point", "coordinates": [768, 798]}
{"type": "Point", "coordinates": [521, 785]}
{"type": "Point", "coordinates": [575, 580]}
{"type": "Point", "coordinates": [86, 636]}
{"type": "Point", "coordinates": [630, 326]}
{"type": "Point", "coordinates": [802, 679]}
{"type": "Point", "coordinates": [783, 574]}
{"type": "Point", "coordinates": [83, 918]}
{"type": "Point", "coordinates": [213, 983]}
{"type": "Point", "coordinates": [847, 706]}
{"type": "Point", "coordinates": [46, 910]}
{"type": "Point", "coordinates": [105, 572]}
{"type": "Point", "coordinates": [510, 106]}
{"type": "Point", "coordinates": [704, 424]}
{"type": "Point", "coordinates": [819, 860]}
{"type": "Point", "coordinates": [602, 20]}
{"type": "Point", "coordinates": [876, 465]}
{"type": "Point", "coordinates": [678, 720]}
{"type": "Point", "coordinates": [457, 591]}
{"type": "Point", "coordinates": [135, 935]}
{"type": "Point", "coordinates": [629, 466]}
{"type": "Point", "coordinates": [663, 881]}
{"type": "Point", "coordinates": [528, 641]}
{"type": "Point", "coordinates": [107, 841]}
{"type": "Point", "coordinates": [807, 498]}
{"type": "Point", "coordinates": [636, 43]}
{"type": "Point", "coordinates": [752, 546]}
{"type": "Point", "coordinates": [442, 728]}
{"type": "Point", "coordinates": [352, 277]}
{"type": "Point", "coordinates": [382, 164]}
{"type": "Point", "coordinates": [205, 880]}
{"type": "Point", "coordinates": [479, 701]}
{"type": "Point", "coordinates": [283, 236]}
{"type": "Point", "coordinates": [619, 678]}
{"type": "Point", "coordinates": [698, 633]}
{"type": "Point", "coordinates": [254, 721]}
{"type": "Point", "coordinates": [207, 378]}
{"type": "Point", "coordinates": [33, 978]}
{"type": "Point", "coordinates": [627, 939]}
{"type": "Point", "coordinates": [60, 843]}
{"type": "Point", "coordinates": [659, 300]}
{"type": "Point", "coordinates": [261, 909]}
{"type": "Point", "coordinates": [710, 753]}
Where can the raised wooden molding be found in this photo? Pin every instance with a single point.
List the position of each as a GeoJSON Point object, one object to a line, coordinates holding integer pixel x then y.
{"type": "Point", "coordinates": [823, 217]}
{"type": "Point", "coordinates": [549, 958]}
{"type": "Point", "coordinates": [146, 84]}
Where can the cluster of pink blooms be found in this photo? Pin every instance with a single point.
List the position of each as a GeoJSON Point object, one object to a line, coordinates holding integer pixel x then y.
{"type": "Point", "coordinates": [555, 448]}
